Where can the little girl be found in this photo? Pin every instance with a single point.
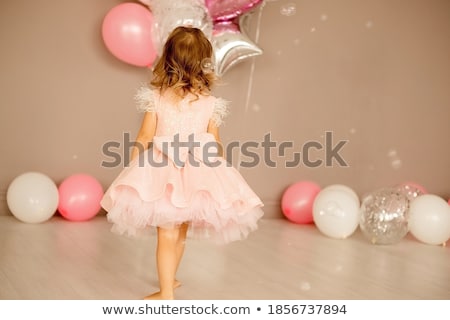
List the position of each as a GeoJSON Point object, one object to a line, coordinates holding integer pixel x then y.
{"type": "Point", "coordinates": [174, 181]}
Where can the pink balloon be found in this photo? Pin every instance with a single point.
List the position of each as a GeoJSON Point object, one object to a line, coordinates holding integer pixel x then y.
{"type": "Point", "coordinates": [225, 10]}
{"type": "Point", "coordinates": [297, 201]}
{"type": "Point", "coordinates": [79, 197]}
{"type": "Point", "coordinates": [127, 33]}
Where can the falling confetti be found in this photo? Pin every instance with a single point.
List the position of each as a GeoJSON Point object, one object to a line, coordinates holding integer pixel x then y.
{"type": "Point", "coordinates": [338, 268]}
{"type": "Point", "coordinates": [256, 107]}
{"type": "Point", "coordinates": [369, 24]}
{"type": "Point", "coordinates": [313, 29]}
{"type": "Point", "coordinates": [305, 286]}
{"type": "Point", "coordinates": [288, 9]}
{"type": "Point", "coordinates": [324, 17]}
{"type": "Point", "coordinates": [392, 153]}
{"type": "Point", "coordinates": [207, 65]}
{"type": "Point", "coordinates": [396, 163]}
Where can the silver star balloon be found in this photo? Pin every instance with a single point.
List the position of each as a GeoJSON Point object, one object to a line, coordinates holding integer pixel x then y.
{"type": "Point", "coordinates": [231, 45]}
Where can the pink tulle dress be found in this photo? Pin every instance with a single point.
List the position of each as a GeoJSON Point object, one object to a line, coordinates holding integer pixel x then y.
{"type": "Point", "coordinates": [180, 179]}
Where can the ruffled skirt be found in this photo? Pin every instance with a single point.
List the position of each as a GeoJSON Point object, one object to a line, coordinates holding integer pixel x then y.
{"type": "Point", "coordinates": [215, 201]}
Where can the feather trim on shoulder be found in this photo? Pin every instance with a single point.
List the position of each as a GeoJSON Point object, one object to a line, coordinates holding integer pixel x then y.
{"type": "Point", "coordinates": [220, 111]}
{"type": "Point", "coordinates": [145, 99]}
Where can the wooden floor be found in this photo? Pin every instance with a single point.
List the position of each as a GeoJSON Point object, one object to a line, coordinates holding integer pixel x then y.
{"type": "Point", "coordinates": [66, 260]}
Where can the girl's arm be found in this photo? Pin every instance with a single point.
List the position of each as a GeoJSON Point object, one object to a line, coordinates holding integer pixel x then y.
{"type": "Point", "coordinates": [214, 130]}
{"type": "Point", "coordinates": [145, 135]}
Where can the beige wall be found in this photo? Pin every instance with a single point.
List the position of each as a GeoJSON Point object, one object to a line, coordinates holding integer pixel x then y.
{"type": "Point", "coordinates": [374, 72]}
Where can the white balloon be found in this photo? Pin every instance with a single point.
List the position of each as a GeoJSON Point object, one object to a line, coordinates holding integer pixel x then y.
{"type": "Point", "coordinates": [344, 188]}
{"type": "Point", "coordinates": [336, 212]}
{"type": "Point", "coordinates": [32, 197]}
{"type": "Point", "coordinates": [429, 219]}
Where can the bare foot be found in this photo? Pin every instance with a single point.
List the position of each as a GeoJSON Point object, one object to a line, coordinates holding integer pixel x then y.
{"type": "Point", "coordinates": [158, 296]}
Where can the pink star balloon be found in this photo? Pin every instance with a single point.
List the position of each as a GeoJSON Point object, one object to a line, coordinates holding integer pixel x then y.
{"type": "Point", "coordinates": [231, 44]}
{"type": "Point", "coordinates": [226, 10]}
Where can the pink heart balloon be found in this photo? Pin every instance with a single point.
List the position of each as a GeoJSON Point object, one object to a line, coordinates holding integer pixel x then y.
{"type": "Point", "coordinates": [225, 10]}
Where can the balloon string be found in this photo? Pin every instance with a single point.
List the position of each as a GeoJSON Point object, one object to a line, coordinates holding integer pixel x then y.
{"type": "Point", "coordinates": [252, 70]}
{"type": "Point", "coordinates": [249, 86]}
{"type": "Point", "coordinates": [252, 67]}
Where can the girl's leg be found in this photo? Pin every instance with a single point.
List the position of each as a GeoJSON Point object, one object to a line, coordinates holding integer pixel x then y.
{"type": "Point", "coordinates": [167, 262]}
{"type": "Point", "coordinates": [180, 248]}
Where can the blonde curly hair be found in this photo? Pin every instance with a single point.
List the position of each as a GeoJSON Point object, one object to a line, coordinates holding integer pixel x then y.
{"type": "Point", "coordinates": [180, 65]}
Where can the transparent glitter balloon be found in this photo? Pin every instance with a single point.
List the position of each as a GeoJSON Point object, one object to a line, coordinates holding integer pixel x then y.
{"type": "Point", "coordinates": [207, 65]}
{"type": "Point", "coordinates": [384, 216]}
